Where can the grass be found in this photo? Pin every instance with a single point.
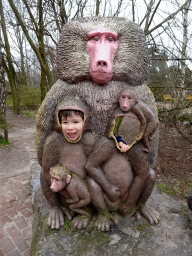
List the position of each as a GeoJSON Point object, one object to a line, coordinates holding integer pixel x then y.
{"type": "Point", "coordinates": [167, 189]}
{"type": "Point", "coordinates": [3, 142]}
{"type": "Point", "coordinates": [29, 113]}
{"type": "Point", "coordinates": [181, 188]}
{"type": "Point", "coordinates": [30, 98]}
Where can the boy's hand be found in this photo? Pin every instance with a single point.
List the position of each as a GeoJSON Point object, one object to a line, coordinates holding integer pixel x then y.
{"type": "Point", "coordinates": [124, 148]}
{"type": "Point", "coordinates": [114, 193]}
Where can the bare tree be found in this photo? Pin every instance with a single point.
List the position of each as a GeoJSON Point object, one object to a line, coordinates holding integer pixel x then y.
{"type": "Point", "coordinates": [3, 123]}
{"type": "Point", "coordinates": [9, 67]}
{"type": "Point", "coordinates": [185, 41]}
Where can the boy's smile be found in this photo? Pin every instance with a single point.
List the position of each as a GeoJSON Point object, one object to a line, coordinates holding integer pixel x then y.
{"type": "Point", "coordinates": [72, 126]}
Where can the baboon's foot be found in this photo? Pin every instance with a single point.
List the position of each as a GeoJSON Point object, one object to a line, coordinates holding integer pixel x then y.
{"type": "Point", "coordinates": [151, 215]}
{"type": "Point", "coordinates": [80, 222]}
{"type": "Point", "coordinates": [56, 218]}
{"type": "Point", "coordinates": [105, 220]}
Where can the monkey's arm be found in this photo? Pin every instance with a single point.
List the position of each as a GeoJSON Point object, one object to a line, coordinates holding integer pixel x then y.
{"type": "Point", "coordinates": [140, 165]}
{"type": "Point", "coordinates": [102, 151]}
{"type": "Point", "coordinates": [51, 153]}
{"type": "Point", "coordinates": [137, 111]}
{"type": "Point", "coordinates": [50, 158]}
{"type": "Point", "coordinates": [72, 190]}
{"type": "Point", "coordinates": [78, 189]}
{"type": "Point", "coordinates": [151, 125]}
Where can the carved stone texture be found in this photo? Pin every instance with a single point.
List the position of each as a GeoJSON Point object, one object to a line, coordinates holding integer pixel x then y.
{"type": "Point", "coordinates": [98, 58]}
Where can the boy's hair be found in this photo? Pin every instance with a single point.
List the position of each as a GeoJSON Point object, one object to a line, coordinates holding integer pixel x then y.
{"type": "Point", "coordinates": [66, 113]}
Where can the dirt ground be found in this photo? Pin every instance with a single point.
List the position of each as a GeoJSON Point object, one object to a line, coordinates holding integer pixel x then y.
{"type": "Point", "coordinates": [174, 162]}
{"type": "Point", "coordinates": [173, 167]}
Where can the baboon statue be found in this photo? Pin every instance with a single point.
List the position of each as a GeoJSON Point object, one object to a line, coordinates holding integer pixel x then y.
{"type": "Point", "coordinates": [96, 59]}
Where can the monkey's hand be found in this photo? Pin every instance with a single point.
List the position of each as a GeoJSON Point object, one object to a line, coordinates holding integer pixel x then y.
{"type": "Point", "coordinates": [113, 193]}
{"type": "Point", "coordinates": [140, 136]}
{"type": "Point", "coordinates": [72, 201]}
{"type": "Point", "coordinates": [56, 218]}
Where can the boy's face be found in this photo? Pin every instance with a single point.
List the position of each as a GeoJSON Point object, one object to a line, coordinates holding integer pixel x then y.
{"type": "Point", "coordinates": [72, 126]}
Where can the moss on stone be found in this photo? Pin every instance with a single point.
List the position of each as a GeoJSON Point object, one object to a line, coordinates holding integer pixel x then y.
{"type": "Point", "coordinates": [42, 225]}
{"type": "Point", "coordinates": [89, 240]}
{"type": "Point", "coordinates": [143, 227]}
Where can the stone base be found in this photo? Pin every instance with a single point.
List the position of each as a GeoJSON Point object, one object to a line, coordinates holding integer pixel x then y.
{"type": "Point", "coordinates": [172, 236]}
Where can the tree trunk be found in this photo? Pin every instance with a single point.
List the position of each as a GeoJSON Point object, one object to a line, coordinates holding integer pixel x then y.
{"type": "Point", "coordinates": [3, 122]}
{"type": "Point", "coordinates": [11, 74]}
{"type": "Point", "coordinates": [39, 33]}
{"type": "Point", "coordinates": [185, 41]}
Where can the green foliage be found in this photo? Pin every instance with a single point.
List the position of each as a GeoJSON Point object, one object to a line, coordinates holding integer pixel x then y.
{"type": "Point", "coordinates": [143, 227]}
{"type": "Point", "coordinates": [185, 117]}
{"type": "Point", "coordinates": [165, 188]}
{"type": "Point", "coordinates": [118, 121]}
{"type": "Point", "coordinates": [3, 142]}
{"type": "Point", "coordinates": [67, 225]}
{"type": "Point", "coordinates": [30, 97]}
{"type": "Point", "coordinates": [30, 114]}
{"type": "Point", "coordinates": [181, 188]}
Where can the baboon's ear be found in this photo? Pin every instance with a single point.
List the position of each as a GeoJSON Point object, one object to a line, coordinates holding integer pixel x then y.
{"type": "Point", "coordinates": [68, 178]}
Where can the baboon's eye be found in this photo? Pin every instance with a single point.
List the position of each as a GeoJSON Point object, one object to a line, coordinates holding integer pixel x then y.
{"type": "Point", "coordinates": [95, 38]}
{"type": "Point", "coordinates": [111, 39]}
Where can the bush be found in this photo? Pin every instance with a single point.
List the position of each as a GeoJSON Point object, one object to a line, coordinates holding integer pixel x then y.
{"type": "Point", "coordinates": [30, 97]}
{"type": "Point", "coordinates": [185, 117]}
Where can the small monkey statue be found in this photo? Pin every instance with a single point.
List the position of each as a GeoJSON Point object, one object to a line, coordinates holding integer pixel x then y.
{"type": "Point", "coordinates": [71, 187]}
{"type": "Point", "coordinates": [130, 101]}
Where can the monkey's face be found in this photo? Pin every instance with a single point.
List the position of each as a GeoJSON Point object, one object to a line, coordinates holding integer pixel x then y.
{"type": "Point", "coordinates": [101, 47]}
{"type": "Point", "coordinates": [57, 184]}
{"type": "Point", "coordinates": [127, 101]}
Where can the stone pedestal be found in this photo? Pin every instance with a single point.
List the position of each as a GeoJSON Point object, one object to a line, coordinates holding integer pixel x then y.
{"type": "Point", "coordinates": [172, 236]}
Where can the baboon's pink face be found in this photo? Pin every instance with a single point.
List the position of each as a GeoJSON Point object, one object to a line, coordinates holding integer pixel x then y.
{"type": "Point", "coordinates": [127, 101]}
{"type": "Point", "coordinates": [57, 184]}
{"type": "Point", "coordinates": [102, 46]}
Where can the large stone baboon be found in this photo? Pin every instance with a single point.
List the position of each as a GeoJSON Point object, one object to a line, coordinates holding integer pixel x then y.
{"type": "Point", "coordinates": [96, 59]}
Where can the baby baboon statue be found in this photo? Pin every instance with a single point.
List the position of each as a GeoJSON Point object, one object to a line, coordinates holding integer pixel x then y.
{"type": "Point", "coordinates": [96, 59]}
{"type": "Point", "coordinates": [72, 189]}
{"type": "Point", "coordinates": [129, 101]}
